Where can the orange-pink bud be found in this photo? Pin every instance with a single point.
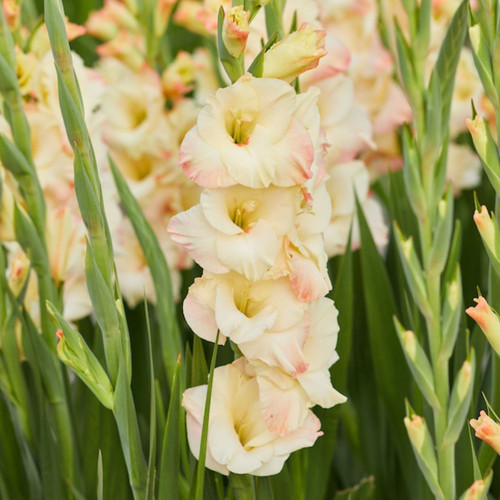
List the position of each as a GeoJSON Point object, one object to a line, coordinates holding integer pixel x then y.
{"type": "Point", "coordinates": [488, 321]}
{"type": "Point", "coordinates": [235, 30]}
{"type": "Point", "coordinates": [487, 430]}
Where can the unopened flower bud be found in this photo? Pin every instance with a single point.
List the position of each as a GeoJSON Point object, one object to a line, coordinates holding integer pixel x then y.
{"type": "Point", "coordinates": [487, 229]}
{"type": "Point", "coordinates": [178, 77]}
{"type": "Point", "coordinates": [18, 272]}
{"type": "Point", "coordinates": [11, 10]}
{"type": "Point", "coordinates": [478, 489]}
{"type": "Point", "coordinates": [73, 352]}
{"type": "Point", "coordinates": [235, 30]}
{"type": "Point", "coordinates": [475, 36]}
{"type": "Point", "coordinates": [477, 129]}
{"type": "Point", "coordinates": [487, 430]}
{"type": "Point", "coordinates": [106, 23]}
{"type": "Point", "coordinates": [126, 47]}
{"type": "Point", "coordinates": [488, 321]}
{"type": "Point", "coordinates": [296, 53]}
{"type": "Point", "coordinates": [416, 428]}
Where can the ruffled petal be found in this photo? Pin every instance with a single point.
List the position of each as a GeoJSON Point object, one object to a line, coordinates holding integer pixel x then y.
{"type": "Point", "coordinates": [192, 231]}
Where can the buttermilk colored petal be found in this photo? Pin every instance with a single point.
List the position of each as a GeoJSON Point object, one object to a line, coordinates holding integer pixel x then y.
{"type": "Point", "coordinates": [252, 163]}
{"type": "Point", "coordinates": [193, 401]}
{"type": "Point", "coordinates": [316, 219]}
{"type": "Point", "coordinates": [303, 437]}
{"type": "Point", "coordinates": [276, 105]}
{"type": "Point", "coordinates": [347, 180]}
{"type": "Point", "coordinates": [281, 349]}
{"type": "Point", "coordinates": [217, 205]}
{"type": "Point", "coordinates": [279, 294]}
{"type": "Point", "coordinates": [295, 155]}
{"type": "Point", "coordinates": [322, 339]}
{"type": "Point", "coordinates": [319, 388]}
{"type": "Point", "coordinates": [224, 441]}
{"type": "Point", "coordinates": [284, 402]}
{"type": "Point", "coordinates": [272, 467]}
{"type": "Point", "coordinates": [279, 207]}
{"type": "Point", "coordinates": [307, 280]}
{"type": "Point", "coordinates": [198, 308]}
{"type": "Point", "coordinates": [192, 231]}
{"type": "Point", "coordinates": [306, 110]}
{"type": "Point", "coordinates": [250, 253]}
{"type": "Point", "coordinates": [236, 325]}
{"type": "Point", "coordinates": [202, 163]}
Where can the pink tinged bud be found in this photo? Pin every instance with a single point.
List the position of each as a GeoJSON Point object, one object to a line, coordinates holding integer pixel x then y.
{"type": "Point", "coordinates": [486, 228]}
{"type": "Point", "coordinates": [416, 428]}
{"type": "Point", "coordinates": [235, 30]}
{"type": "Point", "coordinates": [126, 47]}
{"type": "Point", "coordinates": [18, 273]}
{"type": "Point", "coordinates": [178, 77]}
{"type": "Point", "coordinates": [11, 11]}
{"type": "Point", "coordinates": [59, 334]}
{"type": "Point", "coordinates": [488, 321]}
{"type": "Point", "coordinates": [477, 129]}
{"type": "Point", "coordinates": [487, 430]}
{"type": "Point", "coordinates": [108, 21]}
{"type": "Point", "coordinates": [296, 53]}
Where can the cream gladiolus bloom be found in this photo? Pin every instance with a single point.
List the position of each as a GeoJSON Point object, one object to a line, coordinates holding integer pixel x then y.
{"type": "Point", "coordinates": [241, 309]}
{"type": "Point", "coordinates": [249, 134]}
{"type": "Point", "coordinates": [237, 228]}
{"type": "Point", "coordinates": [238, 438]}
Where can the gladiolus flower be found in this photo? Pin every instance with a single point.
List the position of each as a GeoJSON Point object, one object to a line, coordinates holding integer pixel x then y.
{"type": "Point", "coordinates": [238, 438]}
{"type": "Point", "coordinates": [237, 228]}
{"type": "Point", "coordinates": [249, 134]}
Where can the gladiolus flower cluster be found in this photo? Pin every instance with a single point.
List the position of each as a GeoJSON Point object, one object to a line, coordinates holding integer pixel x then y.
{"type": "Point", "coordinates": [258, 151]}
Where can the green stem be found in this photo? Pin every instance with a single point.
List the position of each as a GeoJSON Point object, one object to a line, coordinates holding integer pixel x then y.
{"type": "Point", "coordinates": [200, 473]}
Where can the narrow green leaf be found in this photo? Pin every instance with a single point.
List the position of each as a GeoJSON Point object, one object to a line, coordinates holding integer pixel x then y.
{"type": "Point", "coordinates": [128, 428]}
{"type": "Point", "coordinates": [171, 341]}
{"type": "Point", "coordinates": [200, 470]}
{"type": "Point", "coordinates": [391, 373]}
{"type": "Point", "coordinates": [199, 368]}
{"type": "Point", "coordinates": [151, 474]}
{"type": "Point", "coordinates": [170, 455]}
{"type": "Point", "coordinates": [105, 311]}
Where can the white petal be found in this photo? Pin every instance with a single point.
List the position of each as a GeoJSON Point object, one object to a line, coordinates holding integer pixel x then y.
{"type": "Point", "coordinates": [198, 308]}
{"type": "Point", "coordinates": [251, 253]}
{"type": "Point", "coordinates": [202, 163]}
{"type": "Point", "coordinates": [192, 231]}
{"type": "Point", "coordinates": [319, 388]}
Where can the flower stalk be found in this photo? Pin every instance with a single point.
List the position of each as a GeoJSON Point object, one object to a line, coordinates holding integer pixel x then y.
{"type": "Point", "coordinates": [424, 155]}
